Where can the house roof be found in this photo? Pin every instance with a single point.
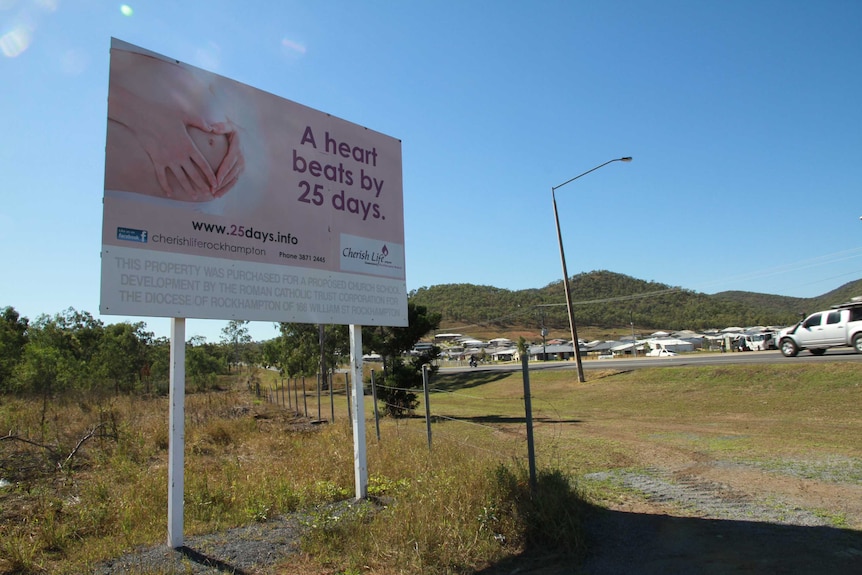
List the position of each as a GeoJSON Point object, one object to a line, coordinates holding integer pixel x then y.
{"type": "Point", "coordinates": [605, 345]}
{"type": "Point", "coordinates": [548, 348]}
{"type": "Point", "coordinates": [669, 341]}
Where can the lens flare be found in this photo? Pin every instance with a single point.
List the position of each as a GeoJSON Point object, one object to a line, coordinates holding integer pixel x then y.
{"type": "Point", "coordinates": [15, 41]}
{"type": "Point", "coordinates": [126, 10]}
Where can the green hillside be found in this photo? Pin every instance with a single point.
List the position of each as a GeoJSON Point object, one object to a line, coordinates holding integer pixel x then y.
{"type": "Point", "coordinates": [613, 301]}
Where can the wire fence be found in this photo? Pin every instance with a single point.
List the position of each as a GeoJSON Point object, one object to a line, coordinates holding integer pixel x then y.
{"type": "Point", "coordinates": [482, 423]}
{"type": "Point", "coordinates": [303, 398]}
{"type": "Point", "coordinates": [459, 417]}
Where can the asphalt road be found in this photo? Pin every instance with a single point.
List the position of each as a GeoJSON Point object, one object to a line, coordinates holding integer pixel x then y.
{"type": "Point", "coordinates": [686, 359]}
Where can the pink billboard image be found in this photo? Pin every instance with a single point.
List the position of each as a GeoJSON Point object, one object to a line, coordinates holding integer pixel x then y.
{"type": "Point", "coordinates": [213, 189]}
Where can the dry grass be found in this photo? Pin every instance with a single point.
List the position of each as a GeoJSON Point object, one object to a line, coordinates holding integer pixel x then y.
{"type": "Point", "coordinates": [456, 507]}
{"type": "Point", "coordinates": [246, 461]}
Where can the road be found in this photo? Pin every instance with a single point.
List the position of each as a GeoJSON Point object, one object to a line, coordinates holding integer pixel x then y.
{"type": "Point", "coordinates": [687, 359]}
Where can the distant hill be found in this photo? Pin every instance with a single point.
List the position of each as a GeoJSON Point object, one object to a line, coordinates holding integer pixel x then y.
{"type": "Point", "coordinates": [612, 301]}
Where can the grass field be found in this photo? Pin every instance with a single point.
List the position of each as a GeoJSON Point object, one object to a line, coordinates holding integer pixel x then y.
{"type": "Point", "coordinates": [764, 415]}
{"type": "Point", "coordinates": [448, 508]}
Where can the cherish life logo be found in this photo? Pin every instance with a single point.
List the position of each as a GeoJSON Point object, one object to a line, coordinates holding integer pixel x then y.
{"type": "Point", "coordinates": [370, 257]}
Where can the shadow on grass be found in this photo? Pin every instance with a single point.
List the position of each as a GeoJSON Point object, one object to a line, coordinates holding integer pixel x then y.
{"type": "Point", "coordinates": [466, 380]}
{"type": "Point", "coordinates": [501, 419]}
{"type": "Point", "coordinates": [621, 542]}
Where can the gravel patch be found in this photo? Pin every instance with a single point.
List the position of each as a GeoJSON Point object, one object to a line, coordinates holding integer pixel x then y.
{"type": "Point", "coordinates": [709, 499]}
{"type": "Point", "coordinates": [832, 469]}
{"type": "Point", "coordinates": [247, 550]}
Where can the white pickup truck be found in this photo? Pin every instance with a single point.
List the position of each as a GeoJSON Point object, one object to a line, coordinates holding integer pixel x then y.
{"type": "Point", "coordinates": [840, 326]}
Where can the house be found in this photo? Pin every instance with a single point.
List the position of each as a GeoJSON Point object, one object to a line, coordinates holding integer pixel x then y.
{"type": "Point", "coordinates": [626, 348]}
{"type": "Point", "coordinates": [600, 347]}
{"type": "Point", "coordinates": [553, 352]}
{"type": "Point", "coordinates": [504, 354]}
{"type": "Point", "coordinates": [471, 342]}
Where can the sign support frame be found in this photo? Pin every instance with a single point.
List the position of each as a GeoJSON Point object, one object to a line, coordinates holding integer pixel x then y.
{"type": "Point", "coordinates": [360, 465]}
{"type": "Point", "coordinates": [176, 433]}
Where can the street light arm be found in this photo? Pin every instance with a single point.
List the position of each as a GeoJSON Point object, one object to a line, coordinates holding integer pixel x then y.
{"type": "Point", "coordinates": [574, 330]}
{"type": "Point", "coordinates": [624, 159]}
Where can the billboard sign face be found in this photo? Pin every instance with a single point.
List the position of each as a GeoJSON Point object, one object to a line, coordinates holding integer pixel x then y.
{"type": "Point", "coordinates": [225, 202]}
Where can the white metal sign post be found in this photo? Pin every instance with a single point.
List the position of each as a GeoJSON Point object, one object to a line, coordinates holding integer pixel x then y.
{"type": "Point", "coordinates": [359, 449]}
{"type": "Point", "coordinates": [176, 438]}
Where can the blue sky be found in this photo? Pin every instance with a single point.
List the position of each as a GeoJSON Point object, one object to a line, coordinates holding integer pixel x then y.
{"type": "Point", "coordinates": [743, 119]}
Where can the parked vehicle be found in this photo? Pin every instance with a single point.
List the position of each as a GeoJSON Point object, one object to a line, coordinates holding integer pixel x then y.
{"type": "Point", "coordinates": [661, 352]}
{"type": "Point", "coordinates": [757, 342]}
{"type": "Point", "coordinates": [839, 327]}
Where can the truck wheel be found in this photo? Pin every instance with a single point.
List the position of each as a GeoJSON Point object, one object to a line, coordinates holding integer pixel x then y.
{"type": "Point", "coordinates": [789, 349]}
{"type": "Point", "coordinates": [857, 342]}
{"type": "Point", "coordinates": [820, 351]}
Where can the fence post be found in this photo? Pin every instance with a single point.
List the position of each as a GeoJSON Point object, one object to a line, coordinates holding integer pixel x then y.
{"type": "Point", "coordinates": [320, 379]}
{"type": "Point", "coordinates": [331, 398]}
{"type": "Point", "coordinates": [374, 399]}
{"type": "Point", "coordinates": [347, 395]}
{"type": "Point", "coordinates": [289, 398]}
{"type": "Point", "coordinates": [305, 398]}
{"type": "Point", "coordinates": [528, 408]}
{"type": "Point", "coordinates": [427, 404]}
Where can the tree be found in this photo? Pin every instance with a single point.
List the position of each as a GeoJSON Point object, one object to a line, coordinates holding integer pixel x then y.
{"type": "Point", "coordinates": [123, 355]}
{"type": "Point", "coordinates": [235, 333]}
{"type": "Point", "coordinates": [270, 353]}
{"type": "Point", "coordinates": [157, 368]}
{"type": "Point", "coordinates": [298, 348]}
{"type": "Point", "coordinates": [393, 343]}
{"type": "Point", "coordinates": [203, 363]}
{"type": "Point", "coordinates": [43, 370]}
{"type": "Point", "coordinates": [59, 352]}
{"type": "Point", "coordinates": [296, 351]}
{"type": "Point", "coordinates": [13, 339]}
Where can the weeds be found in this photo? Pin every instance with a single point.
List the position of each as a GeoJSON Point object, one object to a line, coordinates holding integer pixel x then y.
{"type": "Point", "coordinates": [20, 553]}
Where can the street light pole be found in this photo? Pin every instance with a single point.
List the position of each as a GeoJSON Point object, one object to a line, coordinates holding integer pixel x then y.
{"type": "Point", "coordinates": [574, 330]}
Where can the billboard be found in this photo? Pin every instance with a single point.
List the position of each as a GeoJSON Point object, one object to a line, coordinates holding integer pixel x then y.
{"type": "Point", "coordinates": [222, 201]}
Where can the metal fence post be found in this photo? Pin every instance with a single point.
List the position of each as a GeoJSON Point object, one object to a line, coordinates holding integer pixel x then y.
{"type": "Point", "coordinates": [374, 399]}
{"type": "Point", "coordinates": [528, 408]}
{"type": "Point", "coordinates": [427, 404]}
{"type": "Point", "coordinates": [347, 395]}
